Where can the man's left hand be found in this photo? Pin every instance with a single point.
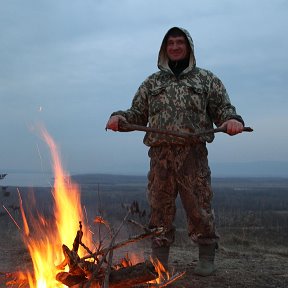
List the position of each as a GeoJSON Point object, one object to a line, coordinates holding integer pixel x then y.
{"type": "Point", "coordinates": [232, 127]}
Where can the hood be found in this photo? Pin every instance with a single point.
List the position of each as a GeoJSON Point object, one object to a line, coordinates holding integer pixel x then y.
{"type": "Point", "coordinates": [162, 56]}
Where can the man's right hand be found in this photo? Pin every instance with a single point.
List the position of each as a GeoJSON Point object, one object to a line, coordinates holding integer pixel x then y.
{"type": "Point", "coordinates": [113, 122]}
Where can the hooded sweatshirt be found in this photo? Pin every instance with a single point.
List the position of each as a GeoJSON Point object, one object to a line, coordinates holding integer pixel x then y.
{"type": "Point", "coordinates": [190, 102]}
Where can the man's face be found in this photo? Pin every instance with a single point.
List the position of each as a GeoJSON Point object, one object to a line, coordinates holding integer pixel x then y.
{"type": "Point", "coordinates": [177, 48]}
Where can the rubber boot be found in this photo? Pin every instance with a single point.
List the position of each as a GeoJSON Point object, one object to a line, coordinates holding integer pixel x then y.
{"type": "Point", "coordinates": [205, 265]}
{"type": "Point", "coordinates": [162, 254]}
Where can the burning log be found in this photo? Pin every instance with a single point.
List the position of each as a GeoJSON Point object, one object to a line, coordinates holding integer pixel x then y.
{"type": "Point", "coordinates": [13, 279]}
{"type": "Point", "coordinates": [91, 274]}
{"type": "Point", "coordinates": [101, 273]}
{"type": "Point", "coordinates": [123, 277]}
{"type": "Point", "coordinates": [70, 279]}
{"type": "Point", "coordinates": [133, 275]}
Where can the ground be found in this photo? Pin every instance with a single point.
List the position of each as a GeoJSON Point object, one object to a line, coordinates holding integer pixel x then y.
{"type": "Point", "coordinates": [235, 266]}
{"type": "Point", "coordinates": [253, 250]}
{"type": "Point", "coordinates": [234, 269]}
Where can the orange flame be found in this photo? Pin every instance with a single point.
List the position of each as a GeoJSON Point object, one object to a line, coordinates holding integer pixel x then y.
{"type": "Point", "coordinates": [44, 239]}
{"type": "Point", "coordinates": [163, 274]}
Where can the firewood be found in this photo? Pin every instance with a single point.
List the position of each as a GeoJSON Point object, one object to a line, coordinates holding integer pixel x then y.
{"type": "Point", "coordinates": [133, 239]}
{"type": "Point", "coordinates": [70, 279]}
{"type": "Point", "coordinates": [108, 270]}
{"type": "Point", "coordinates": [109, 249]}
{"type": "Point", "coordinates": [164, 282]}
{"type": "Point", "coordinates": [78, 238]}
{"type": "Point", "coordinates": [133, 275]}
{"type": "Point", "coordinates": [14, 279]}
{"type": "Point", "coordinates": [127, 277]}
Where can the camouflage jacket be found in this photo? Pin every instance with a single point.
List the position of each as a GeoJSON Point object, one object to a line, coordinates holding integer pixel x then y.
{"type": "Point", "coordinates": [191, 102]}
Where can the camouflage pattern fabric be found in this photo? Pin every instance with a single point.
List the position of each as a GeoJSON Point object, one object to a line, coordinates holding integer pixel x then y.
{"type": "Point", "coordinates": [183, 170]}
{"type": "Point", "coordinates": [191, 102]}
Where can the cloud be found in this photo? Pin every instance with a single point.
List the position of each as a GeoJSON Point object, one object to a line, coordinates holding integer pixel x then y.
{"type": "Point", "coordinates": [80, 61]}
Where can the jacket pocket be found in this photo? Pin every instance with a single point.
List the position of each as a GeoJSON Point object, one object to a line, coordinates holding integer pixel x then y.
{"type": "Point", "coordinates": [196, 99]}
{"type": "Point", "coordinates": [196, 90]}
{"type": "Point", "coordinates": [158, 100]}
{"type": "Point", "coordinates": [157, 90]}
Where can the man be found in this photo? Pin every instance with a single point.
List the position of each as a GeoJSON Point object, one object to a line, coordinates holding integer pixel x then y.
{"type": "Point", "coordinates": [181, 97]}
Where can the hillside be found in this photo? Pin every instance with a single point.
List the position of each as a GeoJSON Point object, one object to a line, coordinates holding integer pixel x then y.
{"type": "Point", "coordinates": [251, 216]}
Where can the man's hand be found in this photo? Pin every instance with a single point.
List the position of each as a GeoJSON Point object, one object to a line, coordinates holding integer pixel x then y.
{"type": "Point", "coordinates": [232, 127]}
{"type": "Point", "coordinates": [113, 122]}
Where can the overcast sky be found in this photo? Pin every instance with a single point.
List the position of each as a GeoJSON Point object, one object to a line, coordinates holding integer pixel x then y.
{"type": "Point", "coordinates": [68, 64]}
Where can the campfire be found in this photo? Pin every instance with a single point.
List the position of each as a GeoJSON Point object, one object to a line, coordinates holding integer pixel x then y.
{"type": "Point", "coordinates": [64, 252]}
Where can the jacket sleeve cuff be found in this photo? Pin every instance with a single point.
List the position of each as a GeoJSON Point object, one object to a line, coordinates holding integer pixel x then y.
{"type": "Point", "coordinates": [238, 118]}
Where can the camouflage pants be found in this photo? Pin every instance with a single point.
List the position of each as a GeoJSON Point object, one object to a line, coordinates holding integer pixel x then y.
{"type": "Point", "coordinates": [181, 169]}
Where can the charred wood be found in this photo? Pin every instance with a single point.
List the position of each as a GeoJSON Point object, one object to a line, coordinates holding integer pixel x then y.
{"type": "Point", "coordinates": [127, 277]}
